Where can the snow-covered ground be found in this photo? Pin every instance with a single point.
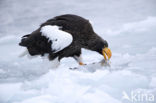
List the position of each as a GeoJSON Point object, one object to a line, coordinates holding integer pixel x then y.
{"type": "Point", "coordinates": [128, 25]}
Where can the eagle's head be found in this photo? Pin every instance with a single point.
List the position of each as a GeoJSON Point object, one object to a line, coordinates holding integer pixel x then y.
{"type": "Point", "coordinates": [101, 46]}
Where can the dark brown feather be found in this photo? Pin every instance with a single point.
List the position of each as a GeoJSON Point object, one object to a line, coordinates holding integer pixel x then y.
{"type": "Point", "coordinates": [81, 30]}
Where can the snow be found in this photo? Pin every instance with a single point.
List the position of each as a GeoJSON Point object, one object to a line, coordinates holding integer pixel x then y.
{"type": "Point", "coordinates": [59, 38]}
{"type": "Point", "coordinates": [153, 81]}
{"type": "Point", "coordinates": [139, 27]}
{"type": "Point", "coordinates": [129, 28]}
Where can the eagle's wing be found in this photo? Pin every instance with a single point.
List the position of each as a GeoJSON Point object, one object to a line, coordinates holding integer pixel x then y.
{"type": "Point", "coordinates": [59, 39]}
{"type": "Point", "coordinates": [71, 23]}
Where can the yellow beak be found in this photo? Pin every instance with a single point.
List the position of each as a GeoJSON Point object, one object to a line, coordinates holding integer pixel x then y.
{"type": "Point", "coordinates": [107, 53]}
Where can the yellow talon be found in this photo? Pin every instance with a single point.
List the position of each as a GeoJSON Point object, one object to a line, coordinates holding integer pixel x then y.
{"type": "Point", "coordinates": [107, 53]}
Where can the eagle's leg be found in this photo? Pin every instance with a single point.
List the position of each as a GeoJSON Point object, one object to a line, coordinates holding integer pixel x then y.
{"type": "Point", "coordinates": [55, 62]}
{"type": "Point", "coordinates": [78, 58]}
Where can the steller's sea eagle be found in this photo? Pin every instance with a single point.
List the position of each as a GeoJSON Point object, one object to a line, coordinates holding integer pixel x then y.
{"type": "Point", "coordinates": [64, 36]}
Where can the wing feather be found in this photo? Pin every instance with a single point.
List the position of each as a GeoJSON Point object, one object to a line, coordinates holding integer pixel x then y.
{"type": "Point", "coordinates": [59, 38]}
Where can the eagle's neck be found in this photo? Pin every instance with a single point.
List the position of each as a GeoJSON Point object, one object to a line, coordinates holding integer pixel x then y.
{"type": "Point", "coordinates": [95, 43]}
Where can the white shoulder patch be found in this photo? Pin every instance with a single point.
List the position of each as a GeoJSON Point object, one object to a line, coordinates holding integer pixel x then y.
{"type": "Point", "coordinates": [59, 38]}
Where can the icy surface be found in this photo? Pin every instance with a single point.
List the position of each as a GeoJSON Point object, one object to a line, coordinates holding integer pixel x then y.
{"type": "Point", "coordinates": [59, 38]}
{"type": "Point", "coordinates": [128, 26]}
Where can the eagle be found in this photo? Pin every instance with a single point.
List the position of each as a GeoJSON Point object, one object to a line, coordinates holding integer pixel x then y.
{"type": "Point", "coordinates": [65, 36]}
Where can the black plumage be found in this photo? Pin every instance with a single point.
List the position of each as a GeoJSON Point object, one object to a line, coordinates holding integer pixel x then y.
{"type": "Point", "coordinates": [80, 29]}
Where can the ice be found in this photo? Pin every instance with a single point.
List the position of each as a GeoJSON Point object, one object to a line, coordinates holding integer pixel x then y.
{"type": "Point", "coordinates": [8, 91]}
{"type": "Point", "coordinates": [129, 28]}
{"type": "Point", "coordinates": [146, 25]}
{"type": "Point", "coordinates": [153, 82]}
